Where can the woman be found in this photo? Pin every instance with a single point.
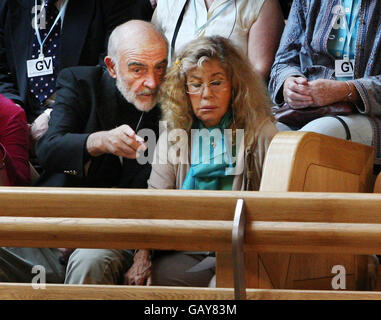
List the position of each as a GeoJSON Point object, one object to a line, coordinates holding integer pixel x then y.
{"type": "Point", "coordinates": [210, 93]}
{"type": "Point", "coordinates": [329, 55]}
{"type": "Point", "coordinates": [254, 26]}
{"type": "Point", "coordinates": [14, 145]}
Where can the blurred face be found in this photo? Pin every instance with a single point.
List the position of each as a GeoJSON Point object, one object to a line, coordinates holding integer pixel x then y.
{"type": "Point", "coordinates": [139, 73]}
{"type": "Point", "coordinates": [209, 91]}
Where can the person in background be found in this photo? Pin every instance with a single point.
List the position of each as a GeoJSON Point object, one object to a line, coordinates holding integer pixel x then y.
{"type": "Point", "coordinates": [330, 53]}
{"type": "Point", "coordinates": [14, 145]}
{"type": "Point", "coordinates": [254, 26]}
{"type": "Point", "coordinates": [210, 93]}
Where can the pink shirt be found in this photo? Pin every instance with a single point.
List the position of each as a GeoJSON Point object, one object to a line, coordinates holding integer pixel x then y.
{"type": "Point", "coordinates": [14, 143]}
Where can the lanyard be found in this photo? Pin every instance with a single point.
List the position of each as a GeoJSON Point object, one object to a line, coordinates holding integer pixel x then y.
{"type": "Point", "coordinates": [199, 30]}
{"type": "Point", "coordinates": [352, 28]}
{"type": "Point", "coordinates": [177, 28]}
{"type": "Point", "coordinates": [62, 10]}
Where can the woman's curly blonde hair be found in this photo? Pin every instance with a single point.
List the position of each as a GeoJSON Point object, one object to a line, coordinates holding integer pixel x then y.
{"type": "Point", "coordinates": [249, 99]}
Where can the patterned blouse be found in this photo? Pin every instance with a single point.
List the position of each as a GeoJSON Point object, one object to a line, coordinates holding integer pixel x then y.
{"type": "Point", "coordinates": [304, 51]}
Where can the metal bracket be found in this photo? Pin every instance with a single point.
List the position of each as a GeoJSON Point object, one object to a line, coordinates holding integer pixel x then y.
{"type": "Point", "coordinates": [238, 238]}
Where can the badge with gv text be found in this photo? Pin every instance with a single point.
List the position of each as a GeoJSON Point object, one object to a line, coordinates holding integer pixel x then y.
{"type": "Point", "coordinates": [40, 67]}
{"type": "Point", "coordinates": [344, 68]}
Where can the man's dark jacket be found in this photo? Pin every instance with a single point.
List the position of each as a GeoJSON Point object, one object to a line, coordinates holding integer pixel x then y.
{"type": "Point", "coordinates": [83, 41]}
{"type": "Point", "coordinates": [88, 101]}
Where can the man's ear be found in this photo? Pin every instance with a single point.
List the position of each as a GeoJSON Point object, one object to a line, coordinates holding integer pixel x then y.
{"type": "Point", "coordinates": [110, 66]}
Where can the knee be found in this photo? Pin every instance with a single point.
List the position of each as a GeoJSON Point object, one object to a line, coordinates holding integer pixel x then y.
{"type": "Point", "coordinates": [94, 266]}
{"type": "Point", "coordinates": [85, 259]}
{"type": "Point", "coordinates": [173, 270]}
{"type": "Point", "coordinates": [329, 126]}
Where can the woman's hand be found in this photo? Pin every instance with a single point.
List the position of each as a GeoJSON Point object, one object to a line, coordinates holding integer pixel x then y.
{"type": "Point", "coordinates": [325, 92]}
{"type": "Point", "coordinates": [296, 92]}
{"type": "Point", "coordinates": [140, 271]}
{"type": "Point", "coordinates": [300, 93]}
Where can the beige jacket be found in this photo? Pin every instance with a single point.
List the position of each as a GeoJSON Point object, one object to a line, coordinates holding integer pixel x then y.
{"type": "Point", "coordinates": [167, 174]}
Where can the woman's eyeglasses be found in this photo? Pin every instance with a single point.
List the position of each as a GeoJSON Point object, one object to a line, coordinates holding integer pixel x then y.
{"type": "Point", "coordinates": [215, 86]}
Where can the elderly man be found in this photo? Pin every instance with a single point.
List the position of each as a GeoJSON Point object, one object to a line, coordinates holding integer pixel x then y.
{"type": "Point", "coordinates": [92, 141]}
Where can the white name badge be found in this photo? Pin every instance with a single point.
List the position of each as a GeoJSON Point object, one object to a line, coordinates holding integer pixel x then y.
{"type": "Point", "coordinates": [344, 68]}
{"type": "Point", "coordinates": [39, 67]}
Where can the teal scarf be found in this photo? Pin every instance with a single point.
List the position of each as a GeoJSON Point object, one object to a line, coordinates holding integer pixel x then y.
{"type": "Point", "coordinates": [211, 159]}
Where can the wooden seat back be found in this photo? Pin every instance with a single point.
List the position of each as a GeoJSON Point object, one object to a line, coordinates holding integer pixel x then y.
{"type": "Point", "coordinates": [306, 161]}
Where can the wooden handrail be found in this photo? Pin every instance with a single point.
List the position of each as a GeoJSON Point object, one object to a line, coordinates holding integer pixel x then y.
{"type": "Point", "coordinates": [276, 222]}
{"type": "Point", "coordinates": [261, 236]}
{"type": "Point", "coordinates": [102, 292]}
{"type": "Point", "coordinates": [115, 233]}
{"type": "Point", "coordinates": [194, 204]}
{"type": "Point", "coordinates": [307, 237]}
{"type": "Point", "coordinates": [118, 203]}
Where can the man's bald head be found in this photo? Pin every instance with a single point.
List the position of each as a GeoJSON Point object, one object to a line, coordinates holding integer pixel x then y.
{"type": "Point", "coordinates": [137, 59]}
{"type": "Point", "coordinates": [132, 35]}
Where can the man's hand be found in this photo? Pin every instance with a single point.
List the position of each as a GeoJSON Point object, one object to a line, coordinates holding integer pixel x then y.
{"type": "Point", "coordinates": [140, 271]}
{"type": "Point", "coordinates": [39, 126]}
{"type": "Point", "coordinates": [296, 92]}
{"type": "Point", "coordinates": [121, 141]}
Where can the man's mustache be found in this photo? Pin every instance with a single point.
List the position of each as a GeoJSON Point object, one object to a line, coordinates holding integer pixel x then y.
{"type": "Point", "coordinates": [147, 92]}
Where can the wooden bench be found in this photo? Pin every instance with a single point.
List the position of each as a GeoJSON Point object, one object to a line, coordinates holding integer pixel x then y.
{"type": "Point", "coordinates": [296, 161]}
{"type": "Point", "coordinates": [186, 220]}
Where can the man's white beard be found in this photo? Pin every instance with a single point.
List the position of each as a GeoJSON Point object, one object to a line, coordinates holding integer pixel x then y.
{"type": "Point", "coordinates": [132, 98]}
